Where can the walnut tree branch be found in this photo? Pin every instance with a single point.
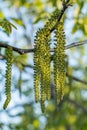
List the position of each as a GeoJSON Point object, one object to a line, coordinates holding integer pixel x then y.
{"type": "Point", "coordinates": [76, 79]}
{"type": "Point", "coordinates": [18, 50]}
{"type": "Point", "coordinates": [23, 51]}
{"type": "Point", "coordinates": [75, 44]}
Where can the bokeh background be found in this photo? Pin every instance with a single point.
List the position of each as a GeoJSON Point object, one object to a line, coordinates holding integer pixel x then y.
{"type": "Point", "coordinates": [22, 112]}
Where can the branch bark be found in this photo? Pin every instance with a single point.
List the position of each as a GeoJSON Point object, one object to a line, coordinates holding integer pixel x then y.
{"type": "Point", "coordinates": [23, 51]}
{"type": "Point", "coordinates": [76, 79]}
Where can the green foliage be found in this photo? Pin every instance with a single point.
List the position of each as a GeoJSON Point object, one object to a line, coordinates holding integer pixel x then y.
{"type": "Point", "coordinates": [6, 26]}
{"type": "Point", "coordinates": [20, 60]}
{"type": "Point", "coordinates": [79, 16]}
{"type": "Point", "coordinates": [18, 21]}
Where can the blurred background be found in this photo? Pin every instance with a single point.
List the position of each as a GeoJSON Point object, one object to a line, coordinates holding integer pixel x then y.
{"type": "Point", "coordinates": [22, 112]}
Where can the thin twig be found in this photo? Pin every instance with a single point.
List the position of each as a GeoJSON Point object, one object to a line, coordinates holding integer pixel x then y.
{"type": "Point", "coordinates": [18, 50]}
{"type": "Point", "coordinates": [76, 79]}
{"type": "Point", "coordinates": [65, 6]}
{"type": "Point", "coordinates": [75, 44]}
{"type": "Point", "coordinates": [23, 51]}
{"type": "Point", "coordinates": [71, 76]}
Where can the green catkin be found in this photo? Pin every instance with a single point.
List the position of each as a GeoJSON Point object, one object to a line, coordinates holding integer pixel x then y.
{"type": "Point", "coordinates": [43, 95]}
{"type": "Point", "coordinates": [36, 86]}
{"type": "Point", "coordinates": [59, 62]}
{"type": "Point", "coordinates": [42, 66]}
{"type": "Point", "coordinates": [42, 59]}
{"type": "Point", "coordinates": [52, 20]}
{"type": "Point", "coordinates": [9, 61]}
{"type": "Point", "coordinates": [43, 101]}
{"type": "Point", "coordinates": [45, 66]}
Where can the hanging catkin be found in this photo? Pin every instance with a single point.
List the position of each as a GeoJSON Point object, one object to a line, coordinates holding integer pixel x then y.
{"type": "Point", "coordinates": [59, 62]}
{"type": "Point", "coordinates": [42, 59]}
{"type": "Point", "coordinates": [9, 60]}
{"type": "Point", "coordinates": [42, 66]}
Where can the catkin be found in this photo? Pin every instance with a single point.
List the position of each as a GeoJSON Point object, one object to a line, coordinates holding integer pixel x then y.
{"type": "Point", "coordinates": [9, 60]}
{"type": "Point", "coordinates": [42, 66]}
{"type": "Point", "coordinates": [42, 59]}
{"type": "Point", "coordinates": [59, 62]}
{"type": "Point", "coordinates": [52, 20]}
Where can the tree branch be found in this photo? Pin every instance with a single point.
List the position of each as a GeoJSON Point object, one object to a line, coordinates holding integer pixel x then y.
{"type": "Point", "coordinates": [23, 51]}
{"type": "Point", "coordinates": [75, 44]}
{"type": "Point", "coordinates": [65, 6]}
{"type": "Point", "coordinates": [18, 50]}
{"type": "Point", "coordinates": [76, 79]}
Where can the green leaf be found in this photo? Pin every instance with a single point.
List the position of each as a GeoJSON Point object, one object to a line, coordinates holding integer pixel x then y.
{"type": "Point", "coordinates": [18, 21]}
{"type": "Point", "coordinates": [7, 26]}
{"type": "Point", "coordinates": [37, 20]}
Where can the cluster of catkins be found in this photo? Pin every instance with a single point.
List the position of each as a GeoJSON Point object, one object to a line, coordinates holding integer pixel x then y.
{"type": "Point", "coordinates": [42, 60]}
